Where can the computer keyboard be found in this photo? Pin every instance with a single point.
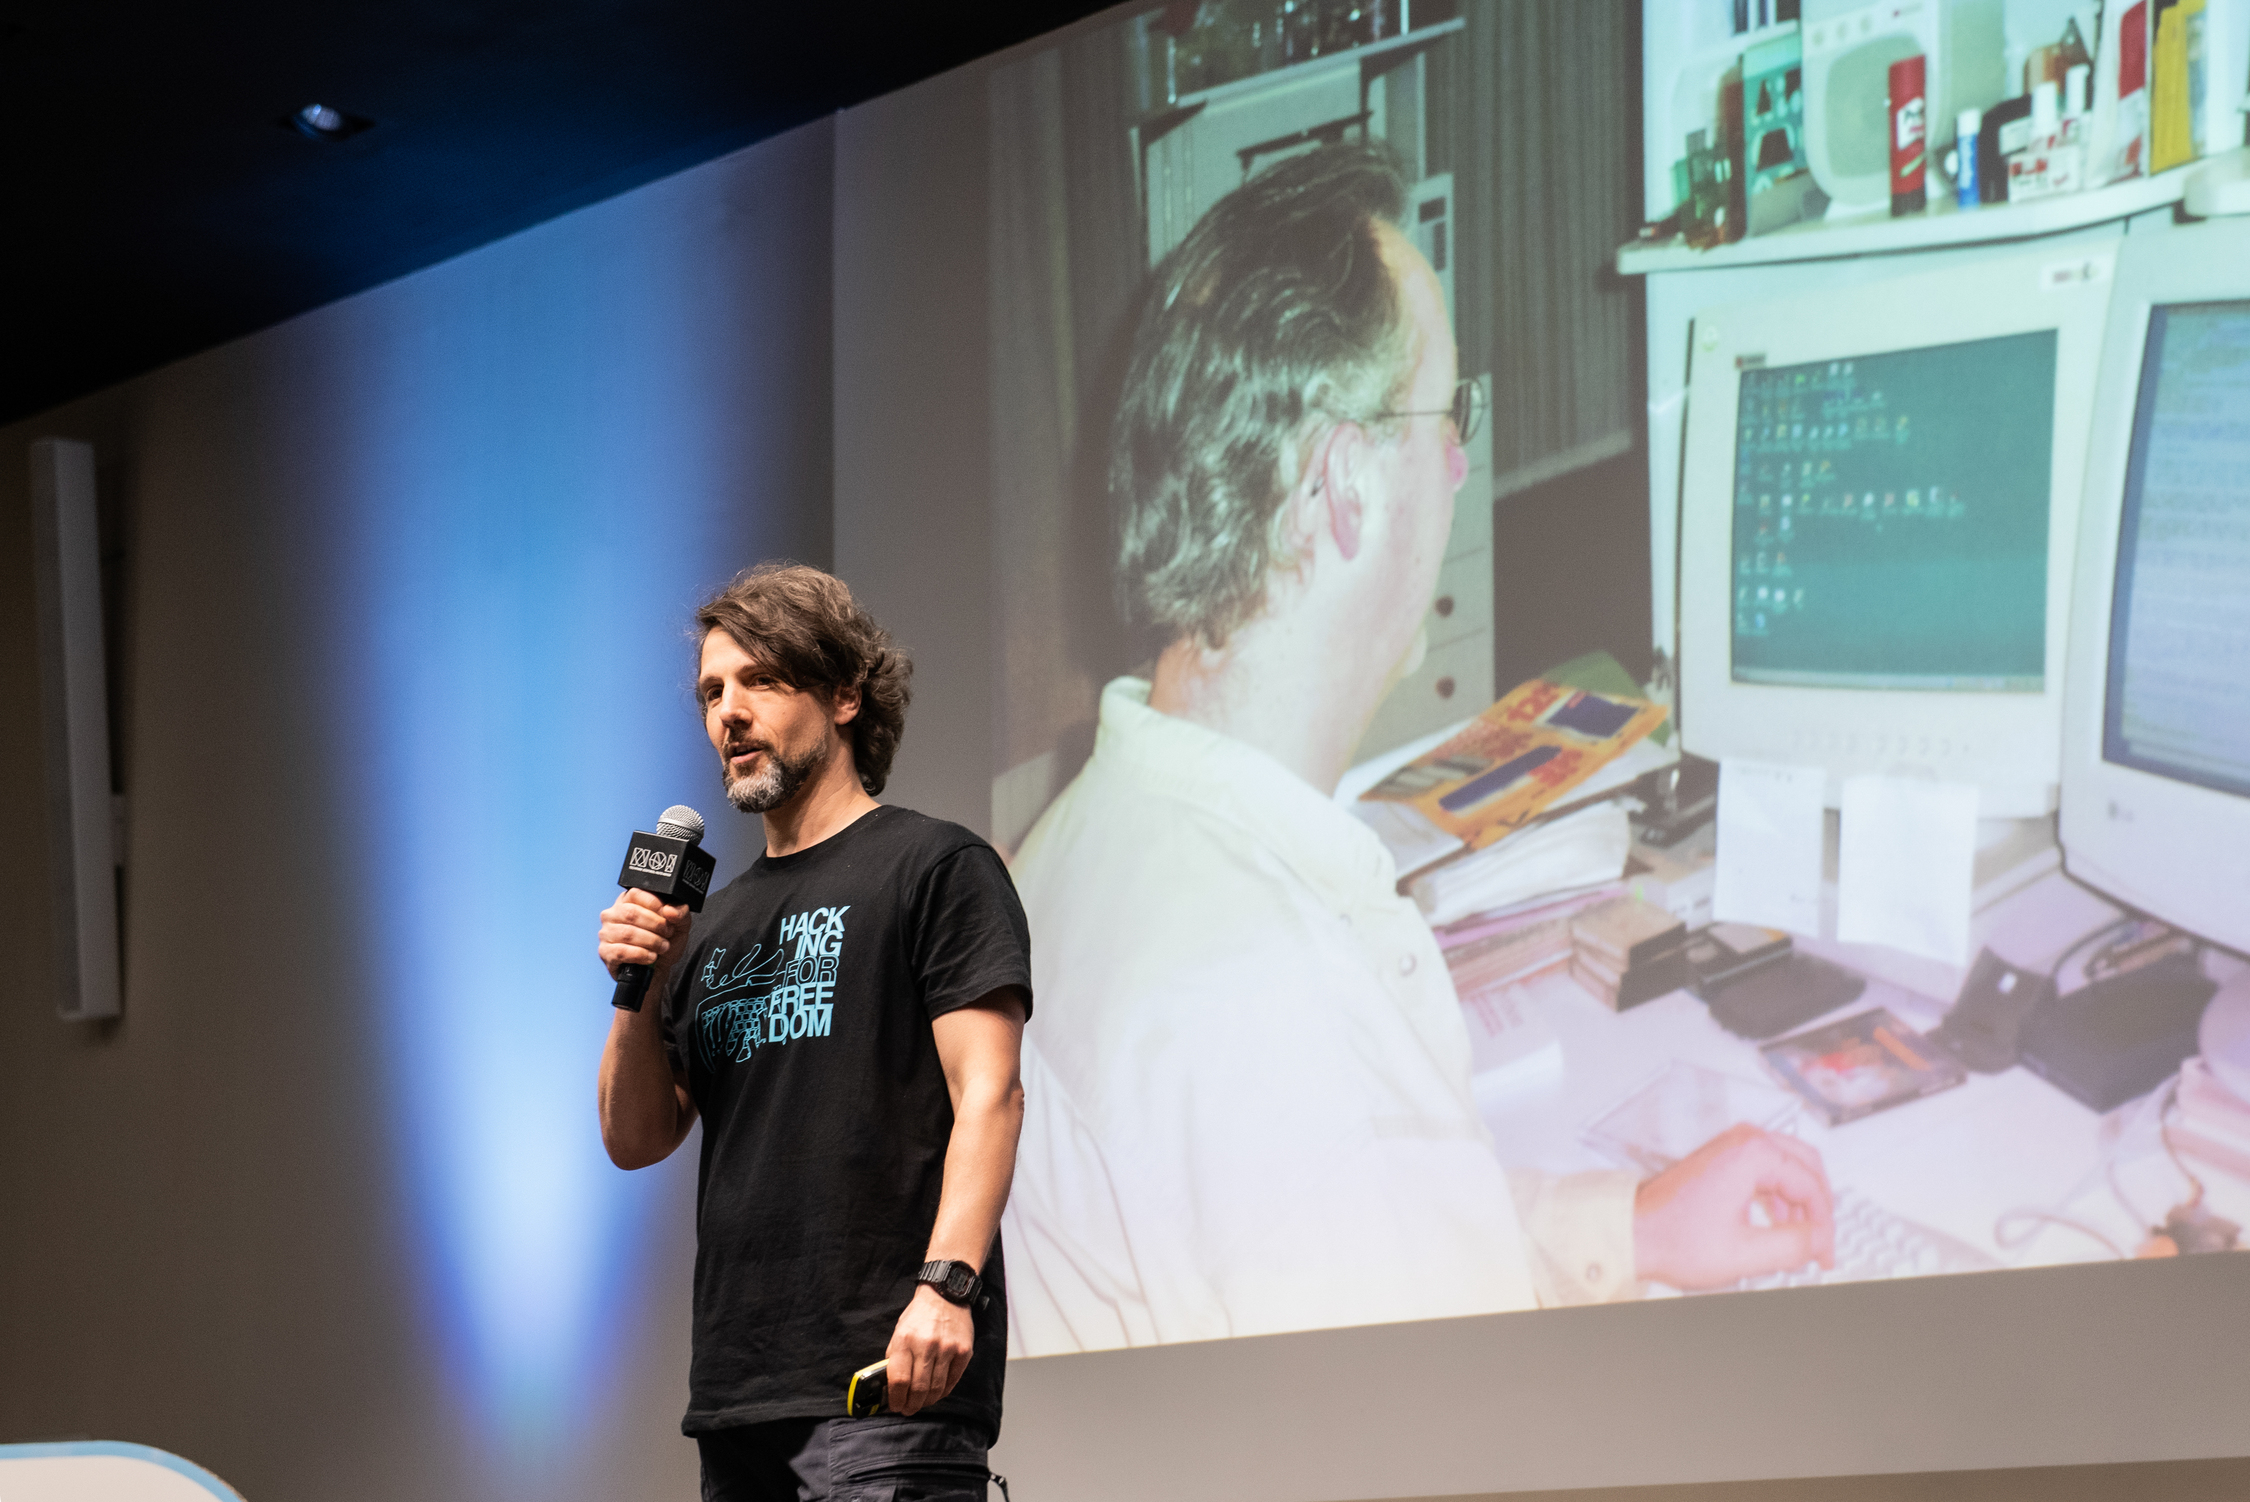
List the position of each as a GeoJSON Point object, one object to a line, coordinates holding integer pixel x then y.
{"type": "Point", "coordinates": [1871, 1242]}
{"type": "Point", "coordinates": [1686, 1105]}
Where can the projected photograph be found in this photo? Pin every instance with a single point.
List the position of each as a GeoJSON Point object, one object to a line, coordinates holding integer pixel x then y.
{"type": "Point", "coordinates": [1508, 824]}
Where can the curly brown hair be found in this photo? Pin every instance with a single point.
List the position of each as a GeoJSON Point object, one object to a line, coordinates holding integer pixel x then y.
{"type": "Point", "coordinates": [804, 625]}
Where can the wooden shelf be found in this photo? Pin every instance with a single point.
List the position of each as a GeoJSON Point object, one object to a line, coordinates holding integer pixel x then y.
{"type": "Point", "coordinates": [1942, 227]}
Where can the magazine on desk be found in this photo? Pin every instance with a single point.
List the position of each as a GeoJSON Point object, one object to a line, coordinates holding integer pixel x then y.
{"type": "Point", "coordinates": [1517, 759]}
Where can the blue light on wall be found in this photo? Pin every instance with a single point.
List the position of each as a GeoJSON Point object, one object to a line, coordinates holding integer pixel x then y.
{"type": "Point", "coordinates": [546, 478]}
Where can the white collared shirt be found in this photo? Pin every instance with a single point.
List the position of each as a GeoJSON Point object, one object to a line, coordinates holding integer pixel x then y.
{"type": "Point", "coordinates": [1247, 1088]}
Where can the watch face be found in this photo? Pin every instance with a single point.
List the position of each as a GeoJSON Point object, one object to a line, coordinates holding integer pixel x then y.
{"type": "Point", "coordinates": [959, 1281]}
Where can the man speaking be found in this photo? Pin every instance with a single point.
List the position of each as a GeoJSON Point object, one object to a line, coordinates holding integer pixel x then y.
{"type": "Point", "coordinates": [846, 1018]}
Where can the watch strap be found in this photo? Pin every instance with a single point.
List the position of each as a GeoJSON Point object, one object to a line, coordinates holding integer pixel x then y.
{"type": "Point", "coordinates": [955, 1282]}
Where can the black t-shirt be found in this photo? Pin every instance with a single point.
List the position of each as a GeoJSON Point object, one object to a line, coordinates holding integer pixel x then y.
{"type": "Point", "coordinates": [801, 1015]}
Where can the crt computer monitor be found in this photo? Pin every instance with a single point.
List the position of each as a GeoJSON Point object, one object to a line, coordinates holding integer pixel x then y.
{"type": "Point", "coordinates": [1879, 510]}
{"type": "Point", "coordinates": [2156, 749]}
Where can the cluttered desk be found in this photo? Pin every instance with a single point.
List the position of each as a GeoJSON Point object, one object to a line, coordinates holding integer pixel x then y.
{"type": "Point", "coordinates": [1937, 859]}
{"type": "Point", "coordinates": [1614, 1024]}
{"type": "Point", "coordinates": [2007, 1163]}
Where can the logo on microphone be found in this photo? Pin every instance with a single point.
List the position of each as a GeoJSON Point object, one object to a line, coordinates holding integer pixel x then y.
{"type": "Point", "coordinates": [695, 876]}
{"type": "Point", "coordinates": [655, 862]}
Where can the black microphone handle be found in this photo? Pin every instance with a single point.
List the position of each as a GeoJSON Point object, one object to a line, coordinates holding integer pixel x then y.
{"type": "Point", "coordinates": [632, 985]}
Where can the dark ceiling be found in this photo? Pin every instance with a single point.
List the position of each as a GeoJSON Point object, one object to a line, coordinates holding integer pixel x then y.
{"type": "Point", "coordinates": [159, 203]}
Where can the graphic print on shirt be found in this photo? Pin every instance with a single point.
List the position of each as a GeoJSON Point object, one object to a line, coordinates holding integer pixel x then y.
{"type": "Point", "coordinates": [786, 992]}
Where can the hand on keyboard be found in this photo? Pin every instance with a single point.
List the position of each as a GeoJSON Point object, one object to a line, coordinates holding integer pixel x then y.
{"type": "Point", "coordinates": [1746, 1204]}
{"type": "Point", "coordinates": [1871, 1242]}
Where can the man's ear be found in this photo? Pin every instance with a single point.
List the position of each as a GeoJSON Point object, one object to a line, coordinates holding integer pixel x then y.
{"type": "Point", "coordinates": [844, 708]}
{"type": "Point", "coordinates": [1334, 476]}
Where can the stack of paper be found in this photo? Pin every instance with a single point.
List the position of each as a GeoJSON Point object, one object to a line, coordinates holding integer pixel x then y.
{"type": "Point", "coordinates": [1577, 850]}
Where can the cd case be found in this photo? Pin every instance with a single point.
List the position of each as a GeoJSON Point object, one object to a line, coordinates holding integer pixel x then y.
{"type": "Point", "coordinates": [1868, 1062]}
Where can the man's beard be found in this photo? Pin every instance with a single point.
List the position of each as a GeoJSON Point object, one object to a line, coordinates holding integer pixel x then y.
{"type": "Point", "coordinates": [765, 790]}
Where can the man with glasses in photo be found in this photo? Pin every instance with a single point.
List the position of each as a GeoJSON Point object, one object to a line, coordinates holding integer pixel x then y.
{"type": "Point", "coordinates": [1249, 1098]}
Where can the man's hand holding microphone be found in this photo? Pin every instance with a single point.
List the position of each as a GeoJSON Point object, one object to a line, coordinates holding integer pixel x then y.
{"type": "Point", "coordinates": [640, 929]}
{"type": "Point", "coordinates": [666, 875]}
{"type": "Point", "coordinates": [645, 1107]}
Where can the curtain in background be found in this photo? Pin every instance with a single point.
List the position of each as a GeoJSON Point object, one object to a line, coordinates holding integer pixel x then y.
{"type": "Point", "coordinates": [1066, 267]}
{"type": "Point", "coordinates": [1539, 102]}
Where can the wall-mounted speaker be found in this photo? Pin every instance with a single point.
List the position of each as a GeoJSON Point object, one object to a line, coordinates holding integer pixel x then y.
{"type": "Point", "coordinates": [82, 847]}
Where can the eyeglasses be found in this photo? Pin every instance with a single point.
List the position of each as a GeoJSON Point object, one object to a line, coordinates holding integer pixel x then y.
{"type": "Point", "coordinates": [1467, 410]}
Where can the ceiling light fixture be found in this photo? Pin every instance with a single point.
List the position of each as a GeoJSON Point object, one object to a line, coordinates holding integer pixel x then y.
{"type": "Point", "coordinates": [325, 122]}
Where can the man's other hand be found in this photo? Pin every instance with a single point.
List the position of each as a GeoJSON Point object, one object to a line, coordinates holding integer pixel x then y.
{"type": "Point", "coordinates": [929, 1350]}
{"type": "Point", "coordinates": [1746, 1203]}
{"type": "Point", "coordinates": [637, 929]}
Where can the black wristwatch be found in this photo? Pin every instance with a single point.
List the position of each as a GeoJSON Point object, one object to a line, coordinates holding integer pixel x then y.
{"type": "Point", "coordinates": [956, 1282]}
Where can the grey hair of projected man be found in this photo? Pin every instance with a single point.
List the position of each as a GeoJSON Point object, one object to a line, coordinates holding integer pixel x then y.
{"type": "Point", "coordinates": [1295, 665]}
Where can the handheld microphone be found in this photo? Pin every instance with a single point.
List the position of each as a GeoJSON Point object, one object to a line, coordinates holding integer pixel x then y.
{"type": "Point", "coordinates": [673, 865]}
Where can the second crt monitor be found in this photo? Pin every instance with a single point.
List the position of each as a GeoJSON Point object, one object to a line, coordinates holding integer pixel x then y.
{"type": "Point", "coordinates": [2156, 750]}
{"type": "Point", "coordinates": [1879, 505]}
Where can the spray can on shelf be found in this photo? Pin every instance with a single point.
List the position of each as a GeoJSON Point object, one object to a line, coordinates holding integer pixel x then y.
{"type": "Point", "coordinates": [1909, 133]}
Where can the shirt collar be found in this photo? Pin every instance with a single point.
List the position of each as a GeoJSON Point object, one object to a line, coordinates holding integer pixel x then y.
{"type": "Point", "coordinates": [1327, 848]}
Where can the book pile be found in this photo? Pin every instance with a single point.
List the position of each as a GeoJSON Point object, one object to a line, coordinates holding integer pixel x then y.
{"type": "Point", "coordinates": [2213, 1126]}
{"type": "Point", "coordinates": [1626, 951]}
{"type": "Point", "coordinates": [1499, 949]}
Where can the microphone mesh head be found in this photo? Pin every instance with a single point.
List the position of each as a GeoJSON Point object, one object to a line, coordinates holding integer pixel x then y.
{"type": "Point", "coordinates": [681, 823]}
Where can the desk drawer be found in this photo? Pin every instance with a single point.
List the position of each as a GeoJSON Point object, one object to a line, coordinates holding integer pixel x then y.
{"type": "Point", "coordinates": [1453, 682]}
{"type": "Point", "coordinates": [1462, 605]}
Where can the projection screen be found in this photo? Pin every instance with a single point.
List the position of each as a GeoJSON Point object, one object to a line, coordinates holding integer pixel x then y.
{"type": "Point", "coordinates": [1394, 1056]}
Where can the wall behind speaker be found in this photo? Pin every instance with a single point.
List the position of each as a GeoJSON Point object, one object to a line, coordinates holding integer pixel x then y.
{"type": "Point", "coordinates": [74, 729]}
